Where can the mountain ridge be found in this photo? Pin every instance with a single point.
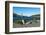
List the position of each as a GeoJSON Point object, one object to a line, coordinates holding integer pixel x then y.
{"type": "Point", "coordinates": [19, 17]}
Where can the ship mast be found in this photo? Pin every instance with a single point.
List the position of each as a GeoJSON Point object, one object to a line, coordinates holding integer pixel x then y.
{"type": "Point", "coordinates": [22, 18]}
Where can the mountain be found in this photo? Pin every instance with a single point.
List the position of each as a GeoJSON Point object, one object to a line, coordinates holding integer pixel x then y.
{"type": "Point", "coordinates": [19, 17]}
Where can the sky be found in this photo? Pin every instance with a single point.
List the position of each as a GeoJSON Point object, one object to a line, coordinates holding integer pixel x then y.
{"type": "Point", "coordinates": [26, 11]}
